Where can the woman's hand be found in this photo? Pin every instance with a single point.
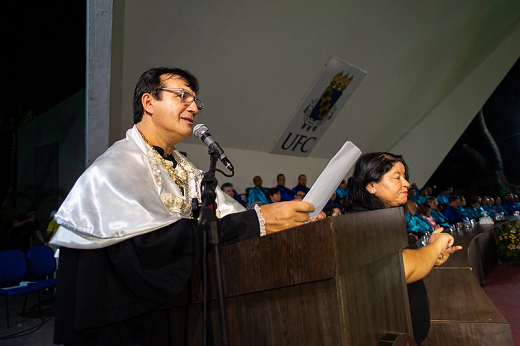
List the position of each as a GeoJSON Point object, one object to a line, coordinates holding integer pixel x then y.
{"type": "Point", "coordinates": [443, 257]}
{"type": "Point", "coordinates": [441, 240]}
{"type": "Point", "coordinates": [418, 263]}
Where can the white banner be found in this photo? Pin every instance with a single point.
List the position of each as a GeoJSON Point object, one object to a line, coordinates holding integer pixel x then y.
{"type": "Point", "coordinates": [326, 98]}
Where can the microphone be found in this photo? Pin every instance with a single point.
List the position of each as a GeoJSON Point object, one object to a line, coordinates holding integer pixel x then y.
{"type": "Point", "coordinates": [201, 132]}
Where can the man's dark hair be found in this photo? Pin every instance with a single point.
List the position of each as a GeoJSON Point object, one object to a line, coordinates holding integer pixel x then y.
{"type": "Point", "coordinates": [272, 191]}
{"type": "Point", "coordinates": [280, 175]}
{"type": "Point", "coordinates": [370, 167]}
{"type": "Point", "coordinates": [226, 185]}
{"type": "Point", "coordinates": [150, 82]}
{"type": "Point", "coordinates": [453, 198]}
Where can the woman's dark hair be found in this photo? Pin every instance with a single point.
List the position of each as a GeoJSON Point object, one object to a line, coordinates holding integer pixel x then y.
{"type": "Point", "coordinates": [424, 209]}
{"type": "Point", "coordinates": [370, 167]}
{"type": "Point", "coordinates": [328, 210]}
{"type": "Point", "coordinates": [150, 82]}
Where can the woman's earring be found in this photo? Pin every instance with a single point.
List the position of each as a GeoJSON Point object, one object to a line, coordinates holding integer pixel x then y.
{"type": "Point", "coordinates": [372, 191]}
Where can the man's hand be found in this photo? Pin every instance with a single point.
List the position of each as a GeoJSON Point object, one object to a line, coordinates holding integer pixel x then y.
{"type": "Point", "coordinates": [320, 216]}
{"type": "Point", "coordinates": [283, 215]}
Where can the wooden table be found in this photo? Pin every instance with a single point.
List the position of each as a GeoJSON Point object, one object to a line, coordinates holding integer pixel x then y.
{"type": "Point", "coordinates": [331, 282]}
{"type": "Point", "coordinates": [461, 313]}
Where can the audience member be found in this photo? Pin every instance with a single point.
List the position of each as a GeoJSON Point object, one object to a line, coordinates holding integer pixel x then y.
{"type": "Point", "coordinates": [509, 204]}
{"type": "Point", "coordinates": [342, 190]}
{"type": "Point", "coordinates": [516, 200]}
{"type": "Point", "coordinates": [258, 193]}
{"type": "Point", "coordinates": [415, 224]}
{"type": "Point", "coordinates": [302, 184]}
{"type": "Point", "coordinates": [475, 210]}
{"type": "Point", "coordinates": [331, 211]}
{"type": "Point", "coordinates": [24, 227]}
{"type": "Point", "coordinates": [230, 191]}
{"type": "Point", "coordinates": [442, 198]}
{"type": "Point", "coordinates": [451, 213]}
{"type": "Point", "coordinates": [333, 200]}
{"type": "Point", "coordinates": [285, 193]}
{"type": "Point", "coordinates": [499, 208]}
{"type": "Point", "coordinates": [412, 195]}
{"type": "Point", "coordinates": [436, 214]}
{"type": "Point", "coordinates": [487, 205]}
{"type": "Point", "coordinates": [423, 194]}
{"type": "Point", "coordinates": [299, 195]}
{"type": "Point", "coordinates": [424, 210]}
{"type": "Point", "coordinates": [414, 187]}
{"type": "Point", "coordinates": [463, 209]}
{"type": "Point", "coordinates": [274, 195]}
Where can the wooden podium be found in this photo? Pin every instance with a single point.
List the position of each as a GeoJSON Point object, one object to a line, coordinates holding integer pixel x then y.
{"type": "Point", "coordinates": [338, 281]}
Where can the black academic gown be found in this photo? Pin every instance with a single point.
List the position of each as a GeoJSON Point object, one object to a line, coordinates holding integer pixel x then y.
{"type": "Point", "coordinates": [417, 295]}
{"type": "Point", "coordinates": [110, 296]}
{"type": "Point", "coordinates": [419, 305]}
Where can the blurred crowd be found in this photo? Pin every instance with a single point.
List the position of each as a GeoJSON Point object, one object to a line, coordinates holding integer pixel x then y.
{"type": "Point", "coordinates": [424, 210]}
{"type": "Point", "coordinates": [280, 193]}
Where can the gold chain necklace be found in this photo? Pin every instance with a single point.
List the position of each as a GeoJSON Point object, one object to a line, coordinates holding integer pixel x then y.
{"type": "Point", "coordinates": [181, 175]}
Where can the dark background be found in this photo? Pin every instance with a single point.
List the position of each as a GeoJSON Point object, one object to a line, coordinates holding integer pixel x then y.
{"type": "Point", "coordinates": [44, 46]}
{"type": "Point", "coordinates": [502, 114]}
{"type": "Point", "coordinates": [471, 167]}
{"type": "Point", "coordinates": [44, 49]}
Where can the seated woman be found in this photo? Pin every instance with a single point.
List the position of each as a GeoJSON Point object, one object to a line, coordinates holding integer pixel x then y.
{"type": "Point", "coordinates": [436, 213]}
{"type": "Point", "coordinates": [380, 181]}
{"type": "Point", "coordinates": [332, 210]}
{"type": "Point", "coordinates": [424, 211]}
{"type": "Point", "coordinates": [415, 225]}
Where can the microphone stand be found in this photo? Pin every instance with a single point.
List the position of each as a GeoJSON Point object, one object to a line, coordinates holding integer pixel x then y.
{"type": "Point", "coordinates": [209, 225]}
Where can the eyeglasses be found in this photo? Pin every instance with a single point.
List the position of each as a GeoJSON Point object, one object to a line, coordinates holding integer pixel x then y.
{"type": "Point", "coordinates": [187, 97]}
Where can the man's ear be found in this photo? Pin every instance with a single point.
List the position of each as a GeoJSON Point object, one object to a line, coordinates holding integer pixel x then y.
{"type": "Point", "coordinates": [148, 103]}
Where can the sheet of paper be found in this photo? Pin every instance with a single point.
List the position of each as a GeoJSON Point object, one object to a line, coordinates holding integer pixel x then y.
{"type": "Point", "coordinates": [329, 179]}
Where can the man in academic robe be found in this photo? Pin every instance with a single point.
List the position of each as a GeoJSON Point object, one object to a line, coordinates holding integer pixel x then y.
{"type": "Point", "coordinates": [128, 237]}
